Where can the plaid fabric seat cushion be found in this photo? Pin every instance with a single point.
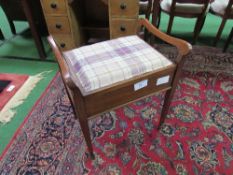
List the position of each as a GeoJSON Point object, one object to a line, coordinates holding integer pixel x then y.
{"type": "Point", "coordinates": [102, 64]}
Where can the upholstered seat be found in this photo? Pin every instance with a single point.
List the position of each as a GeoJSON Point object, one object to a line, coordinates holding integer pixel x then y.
{"type": "Point", "coordinates": [183, 7]}
{"type": "Point", "coordinates": [106, 63]}
{"type": "Point", "coordinates": [219, 6]}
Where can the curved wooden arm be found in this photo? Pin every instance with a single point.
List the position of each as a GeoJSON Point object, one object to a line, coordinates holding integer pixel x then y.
{"type": "Point", "coordinates": [62, 64]}
{"type": "Point", "coordinates": [183, 46]}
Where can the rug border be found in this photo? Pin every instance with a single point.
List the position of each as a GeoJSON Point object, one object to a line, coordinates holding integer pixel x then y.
{"type": "Point", "coordinates": [18, 88]}
{"type": "Point", "coordinates": [26, 118]}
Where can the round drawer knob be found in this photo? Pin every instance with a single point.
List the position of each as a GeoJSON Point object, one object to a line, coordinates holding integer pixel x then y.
{"type": "Point", "coordinates": [63, 45]}
{"type": "Point", "coordinates": [58, 26]}
{"type": "Point", "coordinates": [122, 28]}
{"type": "Point", "coordinates": [123, 6]}
{"type": "Point", "coordinates": [53, 5]}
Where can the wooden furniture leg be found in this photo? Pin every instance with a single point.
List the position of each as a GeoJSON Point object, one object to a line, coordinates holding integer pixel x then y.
{"type": "Point", "coordinates": [82, 116]}
{"type": "Point", "coordinates": [228, 40]}
{"type": "Point", "coordinates": [198, 27]}
{"type": "Point", "coordinates": [170, 24]}
{"type": "Point", "coordinates": [12, 26]}
{"type": "Point", "coordinates": [11, 23]}
{"type": "Point", "coordinates": [1, 35]}
{"type": "Point", "coordinates": [170, 93]}
{"type": "Point", "coordinates": [148, 12]}
{"type": "Point", "coordinates": [220, 31]}
{"type": "Point", "coordinates": [35, 32]}
{"type": "Point", "coordinates": [156, 14]}
{"type": "Point", "coordinates": [86, 133]}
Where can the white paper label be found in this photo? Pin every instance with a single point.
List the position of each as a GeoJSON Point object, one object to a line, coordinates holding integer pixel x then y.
{"type": "Point", "coordinates": [10, 88]}
{"type": "Point", "coordinates": [140, 85]}
{"type": "Point", "coordinates": [163, 80]}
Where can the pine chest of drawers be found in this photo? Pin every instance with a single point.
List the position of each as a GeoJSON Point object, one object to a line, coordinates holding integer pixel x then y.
{"type": "Point", "coordinates": [123, 15]}
{"type": "Point", "coordinates": [66, 20]}
{"type": "Point", "coordinates": [61, 23]}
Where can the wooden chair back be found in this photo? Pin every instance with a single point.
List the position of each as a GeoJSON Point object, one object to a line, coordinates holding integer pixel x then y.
{"type": "Point", "coordinates": [228, 12]}
{"type": "Point", "coordinates": [186, 14]}
{"type": "Point", "coordinates": [227, 15]}
{"type": "Point", "coordinates": [192, 1]}
{"type": "Point", "coordinates": [189, 14]}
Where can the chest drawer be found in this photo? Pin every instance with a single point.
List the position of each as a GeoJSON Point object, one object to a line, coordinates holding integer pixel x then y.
{"type": "Point", "coordinates": [65, 42]}
{"type": "Point", "coordinates": [123, 27]}
{"type": "Point", "coordinates": [54, 7]}
{"type": "Point", "coordinates": [58, 25]}
{"type": "Point", "coordinates": [124, 8]}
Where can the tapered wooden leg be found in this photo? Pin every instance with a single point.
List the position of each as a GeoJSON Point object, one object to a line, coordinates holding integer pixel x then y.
{"type": "Point", "coordinates": [1, 35]}
{"type": "Point", "coordinates": [34, 30]}
{"type": "Point", "coordinates": [12, 26]}
{"type": "Point", "coordinates": [170, 93]}
{"type": "Point", "coordinates": [198, 27]}
{"type": "Point", "coordinates": [220, 31]}
{"type": "Point", "coordinates": [156, 14]}
{"type": "Point", "coordinates": [81, 114]}
{"type": "Point", "coordinates": [158, 20]}
{"type": "Point", "coordinates": [166, 105]}
{"type": "Point", "coordinates": [86, 134]}
{"type": "Point", "coordinates": [148, 10]}
{"type": "Point", "coordinates": [170, 24]}
{"type": "Point", "coordinates": [228, 41]}
{"type": "Point", "coordinates": [148, 13]}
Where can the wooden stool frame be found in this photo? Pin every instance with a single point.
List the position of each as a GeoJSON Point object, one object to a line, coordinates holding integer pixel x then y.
{"type": "Point", "coordinates": [105, 99]}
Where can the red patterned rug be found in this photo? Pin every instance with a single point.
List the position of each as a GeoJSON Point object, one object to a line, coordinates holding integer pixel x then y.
{"type": "Point", "coordinates": [15, 82]}
{"type": "Point", "coordinates": [197, 137]}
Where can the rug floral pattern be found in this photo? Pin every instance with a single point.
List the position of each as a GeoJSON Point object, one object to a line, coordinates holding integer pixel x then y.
{"type": "Point", "coordinates": [196, 138]}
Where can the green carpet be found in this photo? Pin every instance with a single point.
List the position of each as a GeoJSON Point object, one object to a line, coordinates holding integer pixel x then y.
{"type": "Point", "coordinates": [20, 45]}
{"type": "Point", "coordinates": [183, 28]}
{"type": "Point", "coordinates": [30, 68]}
{"type": "Point", "coordinates": [20, 25]}
{"type": "Point", "coordinates": [16, 47]}
{"type": "Point", "coordinates": [23, 46]}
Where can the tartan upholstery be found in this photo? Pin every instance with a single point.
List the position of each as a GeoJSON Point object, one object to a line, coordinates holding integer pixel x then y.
{"type": "Point", "coordinates": [102, 64]}
{"type": "Point", "coordinates": [183, 7]}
